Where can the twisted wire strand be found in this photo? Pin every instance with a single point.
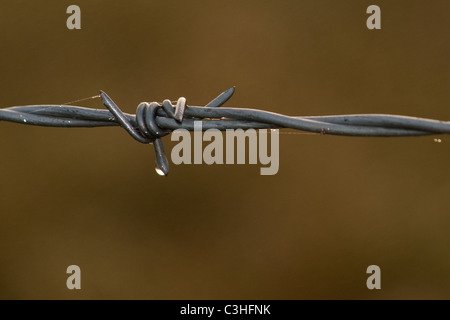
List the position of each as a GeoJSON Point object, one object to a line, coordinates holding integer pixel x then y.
{"type": "Point", "coordinates": [153, 121]}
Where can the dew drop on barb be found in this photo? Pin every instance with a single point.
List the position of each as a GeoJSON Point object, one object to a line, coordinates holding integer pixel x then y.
{"type": "Point", "coordinates": [159, 171]}
{"type": "Point", "coordinates": [437, 140]}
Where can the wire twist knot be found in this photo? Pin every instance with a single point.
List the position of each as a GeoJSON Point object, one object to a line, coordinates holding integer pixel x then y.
{"type": "Point", "coordinates": [148, 130]}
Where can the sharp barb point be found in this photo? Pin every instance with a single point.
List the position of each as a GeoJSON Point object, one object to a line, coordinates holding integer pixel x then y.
{"type": "Point", "coordinates": [221, 98]}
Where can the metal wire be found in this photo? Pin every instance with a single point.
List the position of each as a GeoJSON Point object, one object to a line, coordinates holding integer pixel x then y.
{"type": "Point", "coordinates": [153, 121]}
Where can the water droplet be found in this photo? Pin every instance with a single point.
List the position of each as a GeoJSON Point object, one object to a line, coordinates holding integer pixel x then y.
{"type": "Point", "coordinates": [437, 140]}
{"type": "Point", "coordinates": [25, 120]}
{"type": "Point", "coordinates": [159, 171]}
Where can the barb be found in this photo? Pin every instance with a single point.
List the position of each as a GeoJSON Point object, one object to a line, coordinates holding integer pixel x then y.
{"type": "Point", "coordinates": [153, 121]}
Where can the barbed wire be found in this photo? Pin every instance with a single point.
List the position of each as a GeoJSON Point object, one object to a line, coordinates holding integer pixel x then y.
{"type": "Point", "coordinates": [154, 120]}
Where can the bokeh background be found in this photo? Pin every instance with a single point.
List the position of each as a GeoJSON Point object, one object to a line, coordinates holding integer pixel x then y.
{"type": "Point", "coordinates": [90, 197]}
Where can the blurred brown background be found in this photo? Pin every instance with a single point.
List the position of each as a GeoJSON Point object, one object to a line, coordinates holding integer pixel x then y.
{"type": "Point", "coordinates": [90, 197]}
